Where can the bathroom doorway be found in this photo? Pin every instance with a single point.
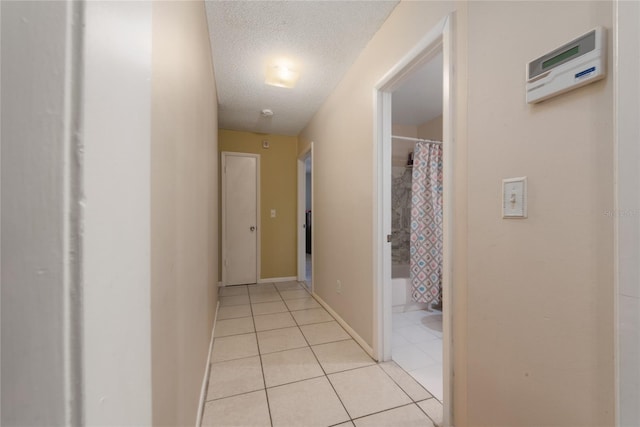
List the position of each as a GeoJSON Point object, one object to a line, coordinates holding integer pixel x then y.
{"type": "Point", "coordinates": [305, 218]}
{"type": "Point", "coordinates": [424, 349]}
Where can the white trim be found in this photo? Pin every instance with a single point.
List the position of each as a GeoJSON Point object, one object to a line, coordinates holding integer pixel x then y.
{"type": "Point", "coordinates": [440, 38]}
{"type": "Point", "coordinates": [223, 174]}
{"type": "Point", "coordinates": [207, 370]}
{"type": "Point", "coordinates": [278, 279]}
{"type": "Point", "coordinates": [366, 347]}
{"type": "Point", "coordinates": [302, 192]}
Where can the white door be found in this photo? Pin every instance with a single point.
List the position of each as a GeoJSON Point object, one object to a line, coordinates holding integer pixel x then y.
{"type": "Point", "coordinates": [240, 218]}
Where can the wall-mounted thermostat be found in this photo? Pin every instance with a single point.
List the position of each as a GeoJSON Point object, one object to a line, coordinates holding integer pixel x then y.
{"type": "Point", "coordinates": [574, 64]}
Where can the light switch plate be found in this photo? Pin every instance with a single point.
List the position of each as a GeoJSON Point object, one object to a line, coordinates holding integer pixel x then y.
{"type": "Point", "coordinates": [514, 197]}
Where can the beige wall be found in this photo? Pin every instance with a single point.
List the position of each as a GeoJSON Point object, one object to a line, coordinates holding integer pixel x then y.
{"type": "Point", "coordinates": [183, 209]}
{"type": "Point", "coordinates": [532, 298]}
{"type": "Point", "coordinates": [278, 190]}
{"type": "Point", "coordinates": [431, 129]}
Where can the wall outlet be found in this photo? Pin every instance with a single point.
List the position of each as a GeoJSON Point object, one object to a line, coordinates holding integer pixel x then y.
{"type": "Point", "coordinates": [338, 286]}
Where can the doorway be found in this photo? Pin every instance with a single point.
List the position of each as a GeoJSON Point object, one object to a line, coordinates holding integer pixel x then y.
{"type": "Point", "coordinates": [240, 219]}
{"type": "Point", "coordinates": [305, 218]}
{"type": "Point", "coordinates": [437, 42]}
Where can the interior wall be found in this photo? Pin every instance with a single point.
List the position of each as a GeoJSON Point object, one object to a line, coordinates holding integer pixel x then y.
{"type": "Point", "coordinates": [278, 190]}
{"type": "Point", "coordinates": [400, 148]}
{"type": "Point", "coordinates": [532, 299]}
{"type": "Point", "coordinates": [627, 212]}
{"type": "Point", "coordinates": [431, 129]}
{"type": "Point", "coordinates": [184, 211]}
{"type": "Point", "coordinates": [33, 192]}
{"type": "Point", "coordinates": [540, 314]}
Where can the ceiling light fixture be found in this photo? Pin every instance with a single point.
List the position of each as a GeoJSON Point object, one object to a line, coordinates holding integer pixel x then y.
{"type": "Point", "coordinates": [266, 113]}
{"type": "Point", "coordinates": [281, 76]}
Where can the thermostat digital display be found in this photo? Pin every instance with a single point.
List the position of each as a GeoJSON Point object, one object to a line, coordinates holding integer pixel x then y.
{"type": "Point", "coordinates": [574, 64]}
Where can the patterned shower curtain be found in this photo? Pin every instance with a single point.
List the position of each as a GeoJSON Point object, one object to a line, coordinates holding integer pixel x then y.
{"type": "Point", "coordinates": [426, 224]}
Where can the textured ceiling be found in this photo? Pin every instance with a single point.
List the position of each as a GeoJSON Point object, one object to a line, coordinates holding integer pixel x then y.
{"type": "Point", "coordinates": [320, 38]}
{"type": "Point", "coordinates": [419, 98]}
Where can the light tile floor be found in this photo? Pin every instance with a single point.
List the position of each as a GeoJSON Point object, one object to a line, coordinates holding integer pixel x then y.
{"type": "Point", "coordinates": [417, 347]}
{"type": "Point", "coordinates": [268, 371]}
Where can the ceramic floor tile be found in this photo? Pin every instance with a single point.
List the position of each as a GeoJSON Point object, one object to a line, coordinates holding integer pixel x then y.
{"type": "Point", "coordinates": [263, 287]}
{"type": "Point", "coordinates": [234, 311]}
{"type": "Point", "coordinates": [414, 333]}
{"type": "Point", "coordinates": [294, 294]}
{"type": "Point", "coordinates": [307, 403]}
{"type": "Point", "coordinates": [302, 303]}
{"type": "Point", "coordinates": [280, 339]}
{"type": "Point", "coordinates": [234, 300]}
{"type": "Point", "coordinates": [398, 341]}
{"type": "Point", "coordinates": [433, 409]}
{"type": "Point", "coordinates": [320, 333]}
{"type": "Point", "coordinates": [410, 386]}
{"type": "Point", "coordinates": [288, 366]}
{"type": "Point", "coordinates": [314, 315]}
{"type": "Point", "coordinates": [398, 322]}
{"type": "Point", "coordinates": [431, 378]}
{"type": "Point", "coordinates": [411, 358]}
{"type": "Point", "coordinates": [244, 410]}
{"type": "Point", "coordinates": [347, 424]}
{"type": "Point", "coordinates": [432, 348]}
{"type": "Point", "coordinates": [235, 377]}
{"type": "Point", "coordinates": [341, 355]}
{"type": "Point", "coordinates": [234, 347]}
{"type": "Point", "coordinates": [406, 416]}
{"type": "Point", "coordinates": [367, 390]}
{"type": "Point", "coordinates": [265, 297]}
{"type": "Point", "coordinates": [288, 286]}
{"type": "Point", "coordinates": [227, 291]}
{"type": "Point", "coordinates": [228, 327]}
{"type": "Point", "coordinates": [268, 308]}
{"type": "Point", "coordinates": [267, 322]}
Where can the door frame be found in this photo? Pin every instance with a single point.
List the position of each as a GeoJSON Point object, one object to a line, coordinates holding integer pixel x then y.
{"type": "Point", "coordinates": [223, 174]}
{"type": "Point", "coordinates": [302, 194]}
{"type": "Point", "coordinates": [439, 38]}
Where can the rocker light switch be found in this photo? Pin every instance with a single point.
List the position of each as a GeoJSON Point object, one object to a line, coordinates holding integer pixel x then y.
{"type": "Point", "coordinates": [514, 197]}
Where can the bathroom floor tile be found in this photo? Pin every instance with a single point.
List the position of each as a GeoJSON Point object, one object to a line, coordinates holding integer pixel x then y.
{"type": "Point", "coordinates": [406, 416]}
{"type": "Point", "coordinates": [268, 308]}
{"type": "Point", "coordinates": [341, 355]}
{"type": "Point", "coordinates": [244, 410]}
{"type": "Point", "coordinates": [227, 291]}
{"type": "Point", "coordinates": [414, 333]}
{"type": "Point", "coordinates": [367, 390]}
{"type": "Point", "coordinates": [265, 297]}
{"type": "Point", "coordinates": [234, 300]}
{"type": "Point", "coordinates": [280, 339]}
{"type": "Point", "coordinates": [433, 409]}
{"type": "Point", "coordinates": [235, 377]}
{"type": "Point", "coordinates": [307, 403]}
{"type": "Point", "coordinates": [229, 327]}
{"type": "Point", "coordinates": [234, 347]}
{"type": "Point", "coordinates": [302, 303]}
{"type": "Point", "coordinates": [320, 333]}
{"type": "Point", "coordinates": [432, 348]}
{"type": "Point", "coordinates": [410, 386]}
{"type": "Point", "coordinates": [431, 378]}
{"type": "Point", "coordinates": [267, 322]}
{"type": "Point", "coordinates": [294, 294]}
{"type": "Point", "coordinates": [234, 311]}
{"type": "Point", "coordinates": [411, 358]}
{"type": "Point", "coordinates": [314, 315]}
{"type": "Point", "coordinates": [398, 341]}
{"type": "Point", "coordinates": [288, 366]}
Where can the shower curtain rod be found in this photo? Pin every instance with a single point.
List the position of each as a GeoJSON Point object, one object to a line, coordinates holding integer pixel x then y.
{"type": "Point", "coordinates": [406, 138]}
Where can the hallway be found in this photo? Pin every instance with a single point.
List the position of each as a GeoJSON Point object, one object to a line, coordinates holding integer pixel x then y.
{"type": "Point", "coordinates": [280, 359]}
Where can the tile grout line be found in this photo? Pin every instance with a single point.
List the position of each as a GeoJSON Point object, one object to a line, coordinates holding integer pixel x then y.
{"type": "Point", "coordinates": [264, 380]}
{"type": "Point", "coordinates": [402, 388]}
{"type": "Point", "coordinates": [425, 412]}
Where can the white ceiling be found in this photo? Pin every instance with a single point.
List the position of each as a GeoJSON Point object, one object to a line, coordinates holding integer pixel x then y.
{"type": "Point", "coordinates": [322, 38]}
{"type": "Point", "coordinates": [419, 98]}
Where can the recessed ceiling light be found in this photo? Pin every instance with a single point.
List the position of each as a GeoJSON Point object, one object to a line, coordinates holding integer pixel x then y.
{"type": "Point", "coordinates": [281, 76]}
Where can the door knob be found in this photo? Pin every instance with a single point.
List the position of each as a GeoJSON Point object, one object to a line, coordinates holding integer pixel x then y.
{"type": "Point", "coordinates": [252, 228]}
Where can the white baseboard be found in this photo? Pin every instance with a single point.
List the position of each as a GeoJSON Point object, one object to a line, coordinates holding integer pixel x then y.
{"type": "Point", "coordinates": [366, 347]}
{"type": "Point", "coordinates": [207, 370]}
{"type": "Point", "coordinates": [279, 279]}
